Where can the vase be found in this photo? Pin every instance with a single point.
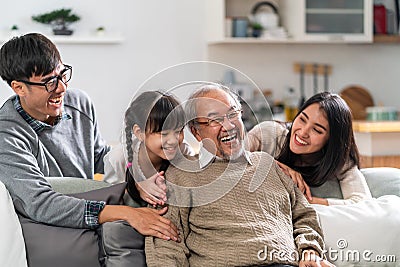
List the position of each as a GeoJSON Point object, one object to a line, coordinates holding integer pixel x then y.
{"type": "Point", "coordinates": [62, 31]}
{"type": "Point", "coordinates": [256, 33]}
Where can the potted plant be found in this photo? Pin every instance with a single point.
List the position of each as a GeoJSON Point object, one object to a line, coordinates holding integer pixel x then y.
{"type": "Point", "coordinates": [14, 30]}
{"type": "Point", "coordinates": [256, 29]}
{"type": "Point", "coordinates": [100, 30]}
{"type": "Point", "coordinates": [59, 19]}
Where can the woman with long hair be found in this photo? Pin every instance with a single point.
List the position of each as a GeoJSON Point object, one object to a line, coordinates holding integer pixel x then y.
{"type": "Point", "coordinates": [317, 147]}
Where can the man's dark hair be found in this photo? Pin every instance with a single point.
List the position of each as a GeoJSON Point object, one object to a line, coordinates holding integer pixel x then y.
{"type": "Point", "coordinates": [28, 55]}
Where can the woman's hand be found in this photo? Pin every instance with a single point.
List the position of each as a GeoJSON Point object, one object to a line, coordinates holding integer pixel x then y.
{"type": "Point", "coordinates": [319, 200]}
{"type": "Point", "coordinates": [297, 179]}
{"type": "Point", "coordinates": [153, 190]}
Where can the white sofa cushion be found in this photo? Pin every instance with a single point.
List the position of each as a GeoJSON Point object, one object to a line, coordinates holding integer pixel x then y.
{"type": "Point", "coordinates": [362, 234]}
{"type": "Point", "coordinates": [12, 246]}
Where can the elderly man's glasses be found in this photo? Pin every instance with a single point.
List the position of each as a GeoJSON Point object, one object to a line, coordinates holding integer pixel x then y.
{"type": "Point", "coordinates": [219, 120]}
{"type": "Point", "coordinates": [52, 83]}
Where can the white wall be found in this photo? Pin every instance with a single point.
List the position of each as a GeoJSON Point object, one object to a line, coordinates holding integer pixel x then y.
{"type": "Point", "coordinates": [158, 34]}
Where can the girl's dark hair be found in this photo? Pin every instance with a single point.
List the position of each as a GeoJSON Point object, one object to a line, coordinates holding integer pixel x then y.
{"type": "Point", "coordinates": [152, 111]}
{"type": "Point", "coordinates": [28, 55]}
{"type": "Point", "coordinates": [338, 150]}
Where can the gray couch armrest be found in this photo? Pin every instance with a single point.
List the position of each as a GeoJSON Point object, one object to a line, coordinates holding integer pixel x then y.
{"type": "Point", "coordinates": [330, 189]}
{"type": "Point", "coordinates": [73, 185]}
{"type": "Point", "coordinates": [382, 181]}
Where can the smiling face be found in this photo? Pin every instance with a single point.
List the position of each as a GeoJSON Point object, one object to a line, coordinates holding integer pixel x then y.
{"type": "Point", "coordinates": [163, 145]}
{"type": "Point", "coordinates": [36, 101]}
{"type": "Point", "coordinates": [310, 130]}
{"type": "Point", "coordinates": [226, 137]}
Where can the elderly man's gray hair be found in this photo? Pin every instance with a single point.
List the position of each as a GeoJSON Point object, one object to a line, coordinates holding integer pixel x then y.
{"type": "Point", "coordinates": [190, 106]}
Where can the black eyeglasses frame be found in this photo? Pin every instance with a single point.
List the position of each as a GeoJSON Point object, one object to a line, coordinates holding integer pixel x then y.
{"type": "Point", "coordinates": [59, 77]}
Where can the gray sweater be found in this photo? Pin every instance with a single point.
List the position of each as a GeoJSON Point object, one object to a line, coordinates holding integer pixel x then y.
{"type": "Point", "coordinates": [71, 148]}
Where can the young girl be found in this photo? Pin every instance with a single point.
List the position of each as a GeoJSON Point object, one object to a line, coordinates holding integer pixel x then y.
{"type": "Point", "coordinates": [319, 145]}
{"type": "Point", "coordinates": [153, 129]}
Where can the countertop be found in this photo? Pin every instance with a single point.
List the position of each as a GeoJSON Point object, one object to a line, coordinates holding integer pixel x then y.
{"type": "Point", "coordinates": [376, 126]}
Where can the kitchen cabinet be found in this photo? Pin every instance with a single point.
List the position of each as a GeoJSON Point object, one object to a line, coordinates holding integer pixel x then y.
{"type": "Point", "coordinates": [331, 21]}
{"type": "Point", "coordinates": [388, 39]}
{"type": "Point", "coordinates": [306, 21]}
{"type": "Point", "coordinates": [378, 143]}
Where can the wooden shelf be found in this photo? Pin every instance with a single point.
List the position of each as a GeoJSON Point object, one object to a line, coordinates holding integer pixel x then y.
{"type": "Point", "coordinates": [386, 38]}
{"type": "Point", "coordinates": [381, 38]}
{"type": "Point", "coordinates": [252, 40]}
{"type": "Point", "coordinates": [79, 39]}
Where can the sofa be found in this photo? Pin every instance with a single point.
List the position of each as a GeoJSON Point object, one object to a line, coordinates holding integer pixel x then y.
{"type": "Point", "coordinates": [362, 234]}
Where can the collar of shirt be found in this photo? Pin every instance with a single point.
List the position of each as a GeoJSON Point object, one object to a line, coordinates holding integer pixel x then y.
{"type": "Point", "coordinates": [206, 157]}
{"type": "Point", "coordinates": [37, 125]}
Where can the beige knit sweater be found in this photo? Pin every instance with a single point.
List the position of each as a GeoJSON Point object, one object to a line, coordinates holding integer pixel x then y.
{"type": "Point", "coordinates": [244, 214]}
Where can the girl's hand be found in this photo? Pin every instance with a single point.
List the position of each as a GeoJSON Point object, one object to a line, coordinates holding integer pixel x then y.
{"type": "Point", "coordinates": [297, 179]}
{"type": "Point", "coordinates": [153, 190]}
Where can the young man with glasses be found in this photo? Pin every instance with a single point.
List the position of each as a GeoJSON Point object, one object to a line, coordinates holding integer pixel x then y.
{"type": "Point", "coordinates": [49, 131]}
{"type": "Point", "coordinates": [237, 208]}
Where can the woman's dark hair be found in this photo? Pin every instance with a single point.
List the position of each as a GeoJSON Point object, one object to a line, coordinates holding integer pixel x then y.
{"type": "Point", "coordinates": [338, 150]}
{"type": "Point", "coordinates": [28, 55]}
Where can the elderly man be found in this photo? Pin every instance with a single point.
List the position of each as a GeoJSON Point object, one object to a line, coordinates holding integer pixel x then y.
{"type": "Point", "coordinates": [233, 207]}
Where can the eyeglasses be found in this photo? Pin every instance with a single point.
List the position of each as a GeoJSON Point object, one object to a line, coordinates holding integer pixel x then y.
{"type": "Point", "coordinates": [219, 120]}
{"type": "Point", "coordinates": [52, 83]}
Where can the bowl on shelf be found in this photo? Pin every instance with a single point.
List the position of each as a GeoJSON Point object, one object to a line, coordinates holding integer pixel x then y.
{"type": "Point", "coordinates": [378, 113]}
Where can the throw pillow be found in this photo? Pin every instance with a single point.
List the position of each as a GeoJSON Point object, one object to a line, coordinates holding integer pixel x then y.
{"type": "Point", "coordinates": [12, 247]}
{"type": "Point", "coordinates": [49, 246]}
{"type": "Point", "coordinates": [382, 181]}
{"type": "Point", "coordinates": [366, 233]}
{"type": "Point", "coordinates": [122, 245]}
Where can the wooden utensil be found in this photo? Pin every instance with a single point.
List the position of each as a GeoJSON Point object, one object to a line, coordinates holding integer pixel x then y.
{"type": "Point", "coordinates": [302, 86]}
{"type": "Point", "coordinates": [315, 78]}
{"type": "Point", "coordinates": [358, 99]}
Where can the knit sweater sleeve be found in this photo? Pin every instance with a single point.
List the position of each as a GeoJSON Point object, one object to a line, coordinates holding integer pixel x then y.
{"type": "Point", "coordinates": [307, 231]}
{"type": "Point", "coordinates": [160, 252]}
{"type": "Point", "coordinates": [267, 136]}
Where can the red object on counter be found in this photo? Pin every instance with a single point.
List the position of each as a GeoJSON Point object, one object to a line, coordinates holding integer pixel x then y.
{"type": "Point", "coordinates": [380, 26]}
